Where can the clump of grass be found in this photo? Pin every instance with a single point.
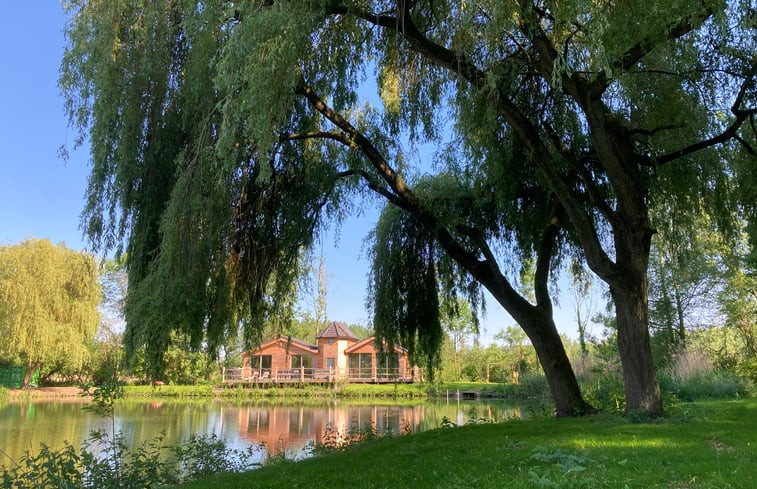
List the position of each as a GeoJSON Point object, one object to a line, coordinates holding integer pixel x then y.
{"type": "Point", "coordinates": [533, 386]}
{"type": "Point", "coordinates": [4, 394]}
{"type": "Point", "coordinates": [692, 376]}
{"type": "Point", "coordinates": [382, 390]}
{"type": "Point", "coordinates": [602, 385]}
{"type": "Point", "coordinates": [168, 390]}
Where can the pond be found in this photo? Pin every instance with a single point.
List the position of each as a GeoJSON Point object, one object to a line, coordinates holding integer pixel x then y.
{"type": "Point", "coordinates": [286, 428]}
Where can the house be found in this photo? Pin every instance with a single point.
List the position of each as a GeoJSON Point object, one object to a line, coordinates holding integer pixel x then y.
{"type": "Point", "coordinates": [338, 355]}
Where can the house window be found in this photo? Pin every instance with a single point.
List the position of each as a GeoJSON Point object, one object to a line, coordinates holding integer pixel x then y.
{"type": "Point", "coordinates": [389, 360]}
{"type": "Point", "coordinates": [330, 363]}
{"type": "Point", "coordinates": [360, 365]}
{"type": "Point", "coordinates": [387, 365]}
{"type": "Point", "coordinates": [301, 361]}
{"type": "Point", "coordinates": [330, 341]}
{"type": "Point", "coordinates": [260, 362]}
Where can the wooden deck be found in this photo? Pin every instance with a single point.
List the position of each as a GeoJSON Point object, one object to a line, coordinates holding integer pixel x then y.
{"type": "Point", "coordinates": [236, 376]}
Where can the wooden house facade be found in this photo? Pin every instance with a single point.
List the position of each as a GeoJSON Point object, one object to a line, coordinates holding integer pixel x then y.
{"type": "Point", "coordinates": [338, 355]}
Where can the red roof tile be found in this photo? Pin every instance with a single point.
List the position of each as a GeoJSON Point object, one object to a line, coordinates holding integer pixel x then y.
{"type": "Point", "coordinates": [337, 330]}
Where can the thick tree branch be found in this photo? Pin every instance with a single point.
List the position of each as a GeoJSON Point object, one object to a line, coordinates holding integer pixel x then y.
{"type": "Point", "coordinates": [721, 138]}
{"type": "Point", "coordinates": [652, 132]}
{"type": "Point", "coordinates": [336, 136]}
{"type": "Point", "coordinates": [486, 271]}
{"type": "Point", "coordinates": [544, 258]}
{"type": "Point", "coordinates": [345, 140]}
{"type": "Point", "coordinates": [740, 116]}
{"type": "Point", "coordinates": [528, 133]}
{"type": "Point", "coordinates": [636, 52]}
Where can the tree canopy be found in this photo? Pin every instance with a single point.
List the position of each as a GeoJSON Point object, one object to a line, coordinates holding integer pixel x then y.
{"type": "Point", "coordinates": [48, 304]}
{"type": "Point", "coordinates": [223, 134]}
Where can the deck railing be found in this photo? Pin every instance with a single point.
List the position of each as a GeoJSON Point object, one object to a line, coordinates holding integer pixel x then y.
{"type": "Point", "coordinates": [313, 374]}
{"type": "Point", "coordinates": [368, 373]}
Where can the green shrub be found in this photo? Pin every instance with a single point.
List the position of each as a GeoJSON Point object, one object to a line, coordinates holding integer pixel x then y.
{"type": "Point", "coordinates": [714, 384]}
{"type": "Point", "coordinates": [4, 394]}
{"type": "Point", "coordinates": [604, 390]}
{"type": "Point", "coordinates": [532, 386]}
{"type": "Point", "coordinates": [747, 369]}
{"type": "Point", "coordinates": [692, 376]}
{"type": "Point", "coordinates": [103, 462]}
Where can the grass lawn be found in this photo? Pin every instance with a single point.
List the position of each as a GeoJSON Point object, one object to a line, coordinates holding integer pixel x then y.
{"type": "Point", "coordinates": [701, 445]}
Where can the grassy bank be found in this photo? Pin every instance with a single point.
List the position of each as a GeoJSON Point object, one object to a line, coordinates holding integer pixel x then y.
{"type": "Point", "coordinates": [401, 391]}
{"type": "Point", "coordinates": [702, 445]}
{"type": "Point", "coordinates": [344, 390]}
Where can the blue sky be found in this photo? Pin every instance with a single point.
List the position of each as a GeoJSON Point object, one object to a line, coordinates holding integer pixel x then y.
{"type": "Point", "coordinates": [42, 197]}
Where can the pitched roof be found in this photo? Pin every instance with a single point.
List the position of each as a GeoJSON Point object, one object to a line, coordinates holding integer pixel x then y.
{"type": "Point", "coordinates": [300, 343]}
{"type": "Point", "coordinates": [371, 340]}
{"type": "Point", "coordinates": [303, 345]}
{"type": "Point", "coordinates": [337, 330]}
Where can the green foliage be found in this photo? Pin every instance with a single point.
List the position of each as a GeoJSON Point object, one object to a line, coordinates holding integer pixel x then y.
{"type": "Point", "coordinates": [184, 366]}
{"type": "Point", "coordinates": [47, 469]}
{"type": "Point", "coordinates": [150, 465]}
{"type": "Point", "coordinates": [692, 376]}
{"type": "Point", "coordinates": [728, 348]}
{"type": "Point", "coordinates": [144, 466]}
{"type": "Point", "coordinates": [204, 455]}
{"type": "Point", "coordinates": [48, 304]}
{"type": "Point", "coordinates": [605, 390]}
{"type": "Point", "coordinates": [403, 293]}
{"type": "Point", "coordinates": [105, 396]}
{"type": "Point", "coordinates": [168, 391]}
{"type": "Point", "coordinates": [715, 384]}
{"type": "Point", "coordinates": [387, 390]}
{"type": "Point", "coordinates": [361, 331]}
{"type": "Point", "coordinates": [191, 202]}
{"type": "Point", "coordinates": [4, 395]}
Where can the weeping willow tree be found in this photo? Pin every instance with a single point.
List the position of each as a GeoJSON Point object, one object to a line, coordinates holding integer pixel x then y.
{"type": "Point", "coordinates": [404, 293]}
{"type": "Point", "coordinates": [420, 270]}
{"type": "Point", "coordinates": [49, 297]}
{"type": "Point", "coordinates": [214, 222]}
{"type": "Point", "coordinates": [593, 110]}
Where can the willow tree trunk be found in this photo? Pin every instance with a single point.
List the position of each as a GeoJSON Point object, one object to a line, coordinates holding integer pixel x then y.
{"type": "Point", "coordinates": [31, 367]}
{"type": "Point", "coordinates": [563, 385]}
{"type": "Point", "coordinates": [639, 378]}
{"type": "Point", "coordinates": [630, 293]}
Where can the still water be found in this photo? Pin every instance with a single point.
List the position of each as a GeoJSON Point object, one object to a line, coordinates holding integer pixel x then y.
{"type": "Point", "coordinates": [282, 428]}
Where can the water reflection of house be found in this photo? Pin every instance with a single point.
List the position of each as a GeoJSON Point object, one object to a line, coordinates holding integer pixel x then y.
{"type": "Point", "coordinates": [282, 427]}
{"type": "Point", "coordinates": [338, 355]}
